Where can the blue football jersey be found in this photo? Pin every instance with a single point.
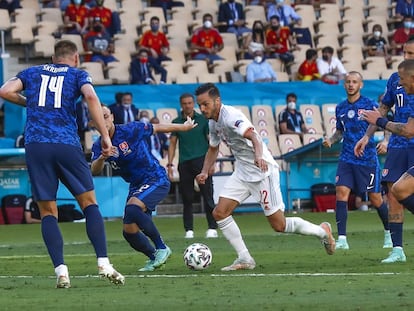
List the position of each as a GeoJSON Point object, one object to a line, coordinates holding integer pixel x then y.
{"type": "Point", "coordinates": [135, 162]}
{"type": "Point", "coordinates": [353, 128]}
{"type": "Point", "coordinates": [52, 91]}
{"type": "Point", "coordinates": [395, 96]}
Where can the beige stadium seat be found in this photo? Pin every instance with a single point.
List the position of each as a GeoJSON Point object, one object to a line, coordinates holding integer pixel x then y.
{"type": "Point", "coordinates": [149, 12]}
{"type": "Point", "coordinates": [375, 64]}
{"type": "Point", "coordinates": [122, 54]}
{"type": "Point", "coordinates": [282, 76]}
{"type": "Point", "coordinates": [173, 70]}
{"type": "Point", "coordinates": [230, 39]}
{"type": "Point", "coordinates": [127, 5]}
{"type": "Point", "coordinates": [25, 16]}
{"type": "Point", "coordinates": [208, 78]}
{"type": "Point", "coordinates": [52, 15]}
{"type": "Point", "coordinates": [255, 12]}
{"type": "Point", "coordinates": [77, 39]}
{"type": "Point", "coordinates": [118, 72]}
{"type": "Point", "coordinates": [262, 112]}
{"type": "Point", "coordinates": [196, 66]}
{"type": "Point", "coordinates": [268, 135]}
{"type": "Point", "coordinates": [177, 55]}
{"type": "Point", "coordinates": [44, 45]}
{"type": "Point", "coordinates": [127, 41]}
{"type": "Point", "coordinates": [182, 14]}
{"type": "Point", "coordinates": [206, 6]}
{"type": "Point", "coordinates": [46, 28]}
{"type": "Point", "coordinates": [370, 74]}
{"type": "Point", "coordinates": [307, 12]}
{"type": "Point", "coordinates": [310, 138]}
{"type": "Point", "coordinates": [312, 118]}
{"type": "Point", "coordinates": [222, 66]}
{"type": "Point", "coordinates": [95, 71]}
{"type": "Point", "coordinates": [245, 109]}
{"type": "Point", "coordinates": [289, 142]}
{"type": "Point", "coordinates": [330, 125]}
{"type": "Point", "coordinates": [166, 115]}
{"type": "Point", "coordinates": [177, 28]}
{"type": "Point", "coordinates": [186, 78]}
{"type": "Point", "coordinates": [229, 53]}
{"type": "Point", "coordinates": [241, 66]}
{"type": "Point", "coordinates": [328, 110]}
{"type": "Point", "coordinates": [4, 27]}
{"type": "Point", "coordinates": [31, 4]}
{"type": "Point", "coordinates": [386, 74]}
{"type": "Point", "coordinates": [276, 63]}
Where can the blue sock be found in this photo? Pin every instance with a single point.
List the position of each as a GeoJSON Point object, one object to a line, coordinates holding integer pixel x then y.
{"type": "Point", "coordinates": [341, 214]}
{"type": "Point", "coordinates": [140, 243]}
{"type": "Point", "coordinates": [53, 239]}
{"type": "Point", "coordinates": [396, 229]}
{"type": "Point", "coordinates": [96, 230]}
{"type": "Point", "coordinates": [145, 223]}
{"type": "Point", "coordinates": [383, 214]}
{"type": "Point", "coordinates": [408, 203]}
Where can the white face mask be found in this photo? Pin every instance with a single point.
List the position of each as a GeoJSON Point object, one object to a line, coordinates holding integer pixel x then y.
{"type": "Point", "coordinates": [377, 34]}
{"type": "Point", "coordinates": [258, 59]}
{"type": "Point", "coordinates": [208, 24]}
{"type": "Point", "coordinates": [144, 119]}
{"type": "Point", "coordinates": [126, 106]}
{"type": "Point", "coordinates": [291, 105]}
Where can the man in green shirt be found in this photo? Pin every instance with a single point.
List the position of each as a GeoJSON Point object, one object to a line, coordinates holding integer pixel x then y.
{"type": "Point", "coordinates": [192, 148]}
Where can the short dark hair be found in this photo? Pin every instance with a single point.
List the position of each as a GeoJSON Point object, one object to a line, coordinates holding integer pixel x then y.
{"type": "Point", "coordinates": [328, 49]}
{"type": "Point", "coordinates": [291, 95]}
{"type": "Point", "coordinates": [212, 90]}
{"type": "Point", "coordinates": [407, 64]}
{"type": "Point", "coordinates": [65, 48]}
{"type": "Point", "coordinates": [207, 15]}
{"type": "Point", "coordinates": [154, 18]}
{"type": "Point", "coordinates": [310, 53]}
{"type": "Point", "coordinates": [186, 95]}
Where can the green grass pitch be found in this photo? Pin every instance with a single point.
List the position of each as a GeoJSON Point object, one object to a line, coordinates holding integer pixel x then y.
{"type": "Point", "coordinates": [293, 272]}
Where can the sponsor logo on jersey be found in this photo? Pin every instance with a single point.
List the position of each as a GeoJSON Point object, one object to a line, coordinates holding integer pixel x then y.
{"type": "Point", "coordinates": [124, 147]}
{"type": "Point", "coordinates": [384, 172]}
{"type": "Point", "coordinates": [237, 123]}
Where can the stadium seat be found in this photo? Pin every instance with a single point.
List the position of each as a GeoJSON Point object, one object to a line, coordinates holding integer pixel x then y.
{"type": "Point", "coordinates": [96, 72]}
{"type": "Point", "coordinates": [310, 138]}
{"type": "Point", "coordinates": [262, 112]}
{"type": "Point", "coordinates": [312, 118]}
{"type": "Point", "coordinates": [44, 45]}
{"type": "Point", "coordinates": [186, 78]}
{"type": "Point", "coordinates": [13, 208]}
{"type": "Point", "coordinates": [289, 142]}
{"type": "Point", "coordinates": [245, 109]}
{"type": "Point", "coordinates": [166, 115]}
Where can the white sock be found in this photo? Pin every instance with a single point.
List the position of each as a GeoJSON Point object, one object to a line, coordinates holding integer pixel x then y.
{"type": "Point", "coordinates": [232, 233]}
{"type": "Point", "coordinates": [103, 261]}
{"type": "Point", "coordinates": [62, 270]}
{"type": "Point", "coordinates": [342, 237]}
{"type": "Point", "coordinates": [301, 226]}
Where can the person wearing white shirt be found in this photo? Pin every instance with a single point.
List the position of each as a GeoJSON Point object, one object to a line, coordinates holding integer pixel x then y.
{"type": "Point", "coordinates": [256, 174]}
{"type": "Point", "coordinates": [260, 70]}
{"type": "Point", "coordinates": [330, 67]}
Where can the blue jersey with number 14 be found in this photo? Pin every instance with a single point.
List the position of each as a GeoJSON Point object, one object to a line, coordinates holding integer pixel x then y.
{"type": "Point", "coordinates": [52, 91]}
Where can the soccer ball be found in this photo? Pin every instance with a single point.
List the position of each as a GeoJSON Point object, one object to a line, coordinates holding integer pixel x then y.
{"type": "Point", "coordinates": [197, 256]}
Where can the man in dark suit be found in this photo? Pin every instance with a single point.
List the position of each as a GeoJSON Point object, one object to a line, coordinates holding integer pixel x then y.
{"type": "Point", "coordinates": [232, 13]}
{"type": "Point", "coordinates": [141, 69]}
{"type": "Point", "coordinates": [126, 112]}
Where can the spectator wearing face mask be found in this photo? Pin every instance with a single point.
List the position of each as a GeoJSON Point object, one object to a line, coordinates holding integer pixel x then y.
{"type": "Point", "coordinates": [76, 17]}
{"type": "Point", "coordinates": [291, 120]}
{"type": "Point", "coordinates": [330, 67]}
{"type": "Point", "coordinates": [259, 70]}
{"type": "Point", "coordinates": [377, 45]}
{"type": "Point", "coordinates": [402, 34]}
{"type": "Point", "coordinates": [126, 112]}
{"type": "Point", "coordinates": [254, 39]}
{"type": "Point", "coordinates": [155, 41]}
{"type": "Point", "coordinates": [206, 41]}
{"type": "Point", "coordinates": [141, 68]}
{"type": "Point", "coordinates": [308, 70]}
{"type": "Point", "coordinates": [109, 19]}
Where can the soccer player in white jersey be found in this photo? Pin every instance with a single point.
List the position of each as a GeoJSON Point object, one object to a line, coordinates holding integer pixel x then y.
{"type": "Point", "coordinates": [256, 173]}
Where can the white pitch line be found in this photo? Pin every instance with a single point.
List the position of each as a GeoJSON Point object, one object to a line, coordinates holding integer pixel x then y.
{"type": "Point", "coordinates": [140, 276]}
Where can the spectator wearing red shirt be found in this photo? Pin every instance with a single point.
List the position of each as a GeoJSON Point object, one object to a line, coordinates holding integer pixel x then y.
{"type": "Point", "coordinates": [76, 17]}
{"type": "Point", "coordinates": [109, 19]}
{"type": "Point", "coordinates": [402, 34]}
{"type": "Point", "coordinates": [278, 40]}
{"type": "Point", "coordinates": [155, 41]}
{"type": "Point", "coordinates": [308, 70]}
{"type": "Point", "coordinates": [206, 41]}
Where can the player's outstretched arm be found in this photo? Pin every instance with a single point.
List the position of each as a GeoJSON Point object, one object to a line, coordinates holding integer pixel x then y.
{"type": "Point", "coordinates": [10, 91]}
{"type": "Point", "coordinates": [173, 127]}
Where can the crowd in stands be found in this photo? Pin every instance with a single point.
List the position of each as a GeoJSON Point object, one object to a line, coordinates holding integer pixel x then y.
{"type": "Point", "coordinates": [223, 35]}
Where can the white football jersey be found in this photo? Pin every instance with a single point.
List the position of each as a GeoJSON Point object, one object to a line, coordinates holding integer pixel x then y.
{"type": "Point", "coordinates": [230, 128]}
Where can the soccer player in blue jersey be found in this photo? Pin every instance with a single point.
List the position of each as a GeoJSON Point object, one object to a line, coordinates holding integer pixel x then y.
{"type": "Point", "coordinates": [149, 184]}
{"type": "Point", "coordinates": [53, 149]}
{"type": "Point", "coordinates": [403, 188]}
{"type": "Point", "coordinates": [400, 154]}
{"type": "Point", "coordinates": [361, 174]}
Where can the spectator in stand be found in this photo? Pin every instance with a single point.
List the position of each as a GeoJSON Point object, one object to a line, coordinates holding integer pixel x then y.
{"type": "Point", "coordinates": [144, 116]}
{"type": "Point", "coordinates": [308, 70]}
{"type": "Point", "coordinates": [76, 17]}
{"type": "Point", "coordinates": [291, 120]}
{"type": "Point", "coordinates": [259, 70]}
{"type": "Point", "coordinates": [330, 67]}
{"type": "Point", "coordinates": [278, 40]}
{"type": "Point", "coordinates": [404, 8]}
{"type": "Point", "coordinates": [206, 41]}
{"type": "Point", "coordinates": [158, 142]}
{"type": "Point", "coordinates": [166, 5]}
{"type": "Point", "coordinates": [155, 41]}
{"type": "Point", "coordinates": [286, 14]}
{"type": "Point", "coordinates": [232, 14]}
{"type": "Point", "coordinates": [100, 43]}
{"type": "Point", "coordinates": [254, 39]}
{"type": "Point", "coordinates": [10, 5]}
{"type": "Point", "coordinates": [31, 212]}
{"type": "Point", "coordinates": [126, 112]}
{"type": "Point", "coordinates": [141, 69]}
{"type": "Point", "coordinates": [377, 45]}
{"type": "Point", "coordinates": [109, 19]}
{"type": "Point", "coordinates": [118, 101]}
{"type": "Point", "coordinates": [402, 34]}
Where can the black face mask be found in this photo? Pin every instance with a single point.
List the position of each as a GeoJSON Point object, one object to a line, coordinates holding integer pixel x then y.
{"type": "Point", "coordinates": [275, 27]}
{"type": "Point", "coordinates": [97, 28]}
{"type": "Point", "coordinates": [325, 57]}
{"type": "Point", "coordinates": [258, 30]}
